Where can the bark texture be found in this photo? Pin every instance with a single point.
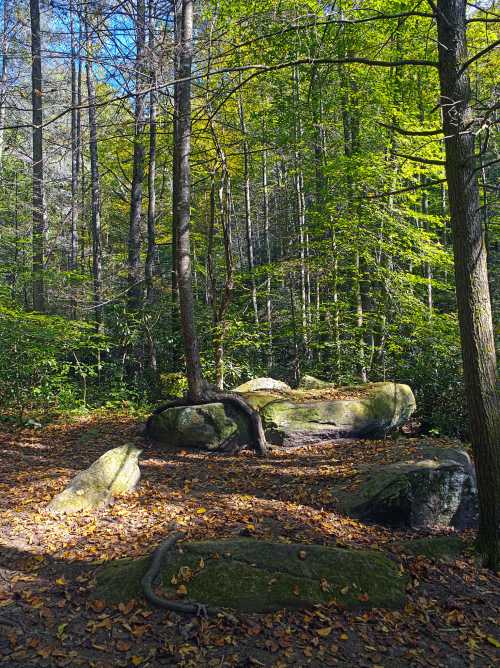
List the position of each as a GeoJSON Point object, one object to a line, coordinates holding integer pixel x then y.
{"type": "Point", "coordinates": [474, 307]}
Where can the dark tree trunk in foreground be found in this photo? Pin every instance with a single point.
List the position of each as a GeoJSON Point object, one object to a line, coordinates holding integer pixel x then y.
{"type": "Point", "coordinates": [38, 201]}
{"type": "Point", "coordinates": [474, 308]}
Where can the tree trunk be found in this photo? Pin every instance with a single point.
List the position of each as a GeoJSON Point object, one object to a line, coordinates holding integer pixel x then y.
{"type": "Point", "coordinates": [151, 252]}
{"type": "Point", "coordinates": [134, 237]}
{"type": "Point", "coordinates": [182, 148]}
{"type": "Point", "coordinates": [38, 200]}
{"type": "Point", "coordinates": [248, 213]}
{"type": "Point", "coordinates": [95, 186]}
{"type": "Point", "coordinates": [75, 150]}
{"type": "Point", "coordinates": [265, 193]}
{"type": "Point", "coordinates": [3, 73]}
{"type": "Point", "coordinates": [473, 299]}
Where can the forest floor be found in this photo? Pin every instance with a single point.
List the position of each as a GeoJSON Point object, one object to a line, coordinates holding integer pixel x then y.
{"type": "Point", "coordinates": [48, 565]}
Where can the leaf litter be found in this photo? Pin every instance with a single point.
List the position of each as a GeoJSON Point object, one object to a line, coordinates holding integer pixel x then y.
{"type": "Point", "coordinates": [48, 564]}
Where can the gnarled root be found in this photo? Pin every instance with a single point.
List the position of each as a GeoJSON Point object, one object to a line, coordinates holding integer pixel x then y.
{"type": "Point", "coordinates": [256, 430]}
{"type": "Point", "coordinates": [148, 581]}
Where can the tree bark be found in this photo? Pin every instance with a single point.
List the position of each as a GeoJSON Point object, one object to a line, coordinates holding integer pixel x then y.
{"type": "Point", "coordinates": [473, 299]}
{"type": "Point", "coordinates": [95, 186]}
{"type": "Point", "coordinates": [134, 237]}
{"type": "Point", "coordinates": [38, 199]}
{"type": "Point", "coordinates": [151, 252]}
{"type": "Point", "coordinates": [248, 212]}
{"type": "Point", "coordinates": [181, 216]}
{"type": "Point", "coordinates": [75, 149]}
{"type": "Point", "coordinates": [3, 72]}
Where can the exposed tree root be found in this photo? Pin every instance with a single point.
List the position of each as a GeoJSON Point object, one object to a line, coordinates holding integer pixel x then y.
{"type": "Point", "coordinates": [256, 429]}
{"type": "Point", "coordinates": [148, 581]}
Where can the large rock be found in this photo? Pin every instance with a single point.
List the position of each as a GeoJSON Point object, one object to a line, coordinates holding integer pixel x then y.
{"type": "Point", "coordinates": [255, 576]}
{"type": "Point", "coordinates": [257, 384]}
{"type": "Point", "coordinates": [379, 408]}
{"type": "Point", "coordinates": [435, 488]}
{"type": "Point", "coordinates": [114, 473]}
{"type": "Point", "coordinates": [208, 426]}
{"type": "Point", "coordinates": [312, 383]}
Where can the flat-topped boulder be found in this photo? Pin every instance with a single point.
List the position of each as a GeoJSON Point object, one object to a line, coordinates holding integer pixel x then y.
{"type": "Point", "coordinates": [312, 383]}
{"type": "Point", "coordinates": [258, 576]}
{"type": "Point", "coordinates": [257, 384]}
{"type": "Point", "coordinates": [436, 487]}
{"type": "Point", "coordinates": [367, 411]}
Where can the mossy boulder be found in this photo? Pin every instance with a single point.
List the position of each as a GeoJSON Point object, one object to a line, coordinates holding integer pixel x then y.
{"type": "Point", "coordinates": [433, 547]}
{"type": "Point", "coordinates": [114, 473]}
{"type": "Point", "coordinates": [254, 576]}
{"type": "Point", "coordinates": [312, 383]}
{"type": "Point", "coordinates": [257, 384]}
{"type": "Point", "coordinates": [378, 408]}
{"type": "Point", "coordinates": [436, 487]}
{"type": "Point", "coordinates": [206, 426]}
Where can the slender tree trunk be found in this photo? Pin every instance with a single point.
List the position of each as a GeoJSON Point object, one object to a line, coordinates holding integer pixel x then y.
{"type": "Point", "coordinates": [182, 214]}
{"type": "Point", "coordinates": [248, 213]}
{"type": "Point", "coordinates": [265, 192]}
{"type": "Point", "coordinates": [134, 237]}
{"type": "Point", "coordinates": [75, 150]}
{"type": "Point", "coordinates": [3, 72]}
{"type": "Point", "coordinates": [473, 299]}
{"type": "Point", "coordinates": [38, 202]}
{"type": "Point", "coordinates": [151, 252]}
{"type": "Point", "coordinates": [95, 186]}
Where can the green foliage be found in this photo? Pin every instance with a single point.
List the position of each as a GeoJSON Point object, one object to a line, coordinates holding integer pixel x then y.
{"type": "Point", "coordinates": [45, 360]}
{"type": "Point", "coordinates": [430, 361]}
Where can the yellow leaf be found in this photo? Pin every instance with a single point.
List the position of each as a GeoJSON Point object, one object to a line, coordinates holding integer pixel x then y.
{"type": "Point", "coordinates": [137, 660]}
{"type": "Point", "coordinates": [344, 636]}
{"type": "Point", "coordinates": [324, 631]}
{"type": "Point", "coordinates": [493, 641]}
{"type": "Point", "coordinates": [182, 591]}
{"type": "Point", "coordinates": [200, 511]}
{"type": "Point", "coordinates": [60, 581]}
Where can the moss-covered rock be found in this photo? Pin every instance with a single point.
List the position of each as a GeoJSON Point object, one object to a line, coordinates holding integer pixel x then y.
{"type": "Point", "coordinates": [257, 384]}
{"type": "Point", "coordinates": [114, 473]}
{"type": "Point", "coordinates": [312, 383]}
{"type": "Point", "coordinates": [379, 408]}
{"type": "Point", "coordinates": [435, 488]}
{"type": "Point", "coordinates": [255, 576]}
{"type": "Point", "coordinates": [433, 547]}
{"type": "Point", "coordinates": [207, 426]}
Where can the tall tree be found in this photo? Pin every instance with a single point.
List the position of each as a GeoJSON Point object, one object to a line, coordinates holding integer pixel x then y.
{"type": "Point", "coordinates": [134, 239]}
{"type": "Point", "coordinates": [473, 298]}
{"type": "Point", "coordinates": [38, 200]}
{"type": "Point", "coordinates": [95, 183]}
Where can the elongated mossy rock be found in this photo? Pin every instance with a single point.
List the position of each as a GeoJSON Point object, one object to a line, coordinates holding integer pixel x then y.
{"type": "Point", "coordinates": [379, 408]}
{"type": "Point", "coordinates": [114, 473]}
{"type": "Point", "coordinates": [256, 576]}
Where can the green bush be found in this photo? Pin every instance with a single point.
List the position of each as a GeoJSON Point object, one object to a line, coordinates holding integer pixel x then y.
{"type": "Point", "coordinates": [430, 361]}
{"type": "Point", "coordinates": [45, 360]}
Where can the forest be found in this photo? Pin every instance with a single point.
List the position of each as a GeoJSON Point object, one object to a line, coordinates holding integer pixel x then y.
{"type": "Point", "coordinates": [249, 315]}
